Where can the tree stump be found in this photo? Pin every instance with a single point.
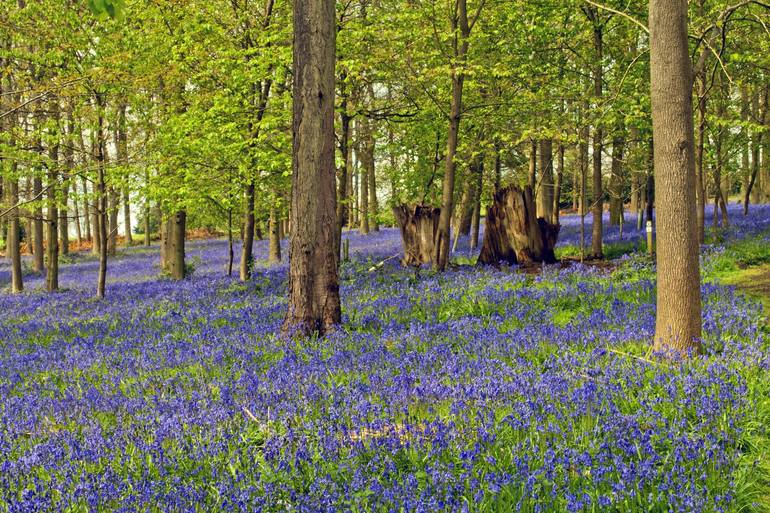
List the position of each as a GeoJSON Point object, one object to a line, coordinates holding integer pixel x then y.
{"type": "Point", "coordinates": [418, 225]}
{"type": "Point", "coordinates": [514, 234]}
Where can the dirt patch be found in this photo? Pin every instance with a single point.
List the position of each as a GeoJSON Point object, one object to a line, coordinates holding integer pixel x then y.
{"type": "Point", "coordinates": [754, 282]}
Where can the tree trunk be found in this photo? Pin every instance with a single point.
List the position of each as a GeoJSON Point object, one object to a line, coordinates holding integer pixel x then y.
{"type": "Point", "coordinates": [363, 227]}
{"type": "Point", "coordinates": [558, 186]}
{"type": "Point", "coordinates": [52, 249]}
{"type": "Point", "coordinates": [545, 191]}
{"type": "Point", "coordinates": [597, 207]}
{"type": "Point", "coordinates": [617, 178]}
{"type": "Point", "coordinates": [678, 321]}
{"type": "Point", "coordinates": [14, 228]}
{"type": "Point", "coordinates": [314, 297]}
{"type": "Point", "coordinates": [127, 217]}
{"type": "Point", "coordinates": [112, 236]}
{"type": "Point", "coordinates": [176, 251]}
{"type": "Point", "coordinates": [700, 186]}
{"type": "Point", "coordinates": [101, 198]}
{"type": "Point", "coordinates": [418, 225]}
{"type": "Point", "coordinates": [69, 165]}
{"type": "Point", "coordinates": [78, 229]}
{"type": "Point", "coordinates": [37, 246]}
{"type": "Point", "coordinates": [476, 219]}
{"type": "Point", "coordinates": [147, 208]}
{"type": "Point", "coordinates": [274, 237]}
{"type": "Point", "coordinates": [513, 233]}
{"type": "Point", "coordinates": [441, 246]}
{"type": "Point", "coordinates": [230, 251]}
{"type": "Point", "coordinates": [86, 211]}
{"type": "Point", "coordinates": [372, 180]}
{"type": "Point", "coordinates": [247, 250]}
{"type": "Point", "coordinates": [532, 173]}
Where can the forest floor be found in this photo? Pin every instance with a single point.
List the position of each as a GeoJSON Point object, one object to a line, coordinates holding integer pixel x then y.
{"type": "Point", "coordinates": [478, 389]}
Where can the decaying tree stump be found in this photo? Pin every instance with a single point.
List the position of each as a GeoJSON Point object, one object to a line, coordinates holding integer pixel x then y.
{"type": "Point", "coordinates": [418, 224]}
{"type": "Point", "coordinates": [513, 233]}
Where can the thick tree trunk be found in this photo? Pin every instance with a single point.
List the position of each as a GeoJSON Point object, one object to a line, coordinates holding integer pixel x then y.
{"type": "Point", "coordinates": [545, 191]}
{"type": "Point", "coordinates": [176, 246]}
{"type": "Point", "coordinates": [616, 179]}
{"type": "Point", "coordinates": [247, 250]}
{"type": "Point", "coordinates": [513, 233]}
{"type": "Point", "coordinates": [678, 322]}
{"type": "Point", "coordinates": [314, 296]}
{"type": "Point", "coordinates": [418, 225]}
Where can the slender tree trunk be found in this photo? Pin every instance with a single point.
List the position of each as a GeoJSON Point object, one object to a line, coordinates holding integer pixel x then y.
{"type": "Point", "coordinates": [362, 151]}
{"type": "Point", "coordinates": [114, 202]}
{"type": "Point", "coordinates": [247, 251]}
{"type": "Point", "coordinates": [78, 230]}
{"type": "Point", "coordinates": [558, 186]}
{"type": "Point", "coordinates": [678, 322]}
{"type": "Point", "coordinates": [476, 219]}
{"type": "Point", "coordinates": [101, 198]}
{"type": "Point", "coordinates": [14, 228]}
{"type": "Point", "coordinates": [498, 167]}
{"type": "Point", "coordinates": [314, 300]}
{"type": "Point", "coordinates": [86, 211]}
{"type": "Point", "coordinates": [460, 26]}
{"type": "Point", "coordinates": [545, 191]}
{"type": "Point", "coordinates": [147, 211]}
{"type": "Point", "coordinates": [598, 194]}
{"type": "Point", "coordinates": [617, 178]}
{"type": "Point", "coordinates": [700, 186]}
{"type": "Point", "coordinates": [274, 237]}
{"type": "Point", "coordinates": [343, 210]}
{"type": "Point", "coordinates": [38, 251]}
{"type": "Point", "coordinates": [372, 180]}
{"type": "Point", "coordinates": [52, 249]}
{"type": "Point", "coordinates": [532, 174]}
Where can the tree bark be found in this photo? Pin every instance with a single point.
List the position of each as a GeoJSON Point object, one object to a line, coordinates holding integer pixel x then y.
{"type": "Point", "coordinates": [459, 25]}
{"type": "Point", "coordinates": [418, 225]}
{"type": "Point", "coordinates": [700, 187]}
{"type": "Point", "coordinates": [101, 198]}
{"type": "Point", "coordinates": [314, 300]}
{"type": "Point", "coordinates": [545, 191]}
{"type": "Point", "coordinates": [247, 250]}
{"type": "Point", "coordinates": [14, 228]}
{"type": "Point", "coordinates": [597, 207]}
{"type": "Point", "coordinates": [513, 233]}
{"type": "Point", "coordinates": [176, 246]}
{"type": "Point", "coordinates": [52, 249]}
{"type": "Point", "coordinates": [274, 241]}
{"type": "Point", "coordinates": [678, 321]}
{"type": "Point", "coordinates": [617, 178]}
{"type": "Point", "coordinates": [558, 185]}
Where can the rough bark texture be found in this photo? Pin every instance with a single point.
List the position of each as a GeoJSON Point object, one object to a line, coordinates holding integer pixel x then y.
{"type": "Point", "coordinates": [678, 321]}
{"type": "Point", "coordinates": [247, 250]}
{"type": "Point", "coordinates": [314, 296]}
{"type": "Point", "coordinates": [513, 233]}
{"type": "Point", "coordinates": [418, 225]}
{"type": "Point", "coordinates": [175, 250]}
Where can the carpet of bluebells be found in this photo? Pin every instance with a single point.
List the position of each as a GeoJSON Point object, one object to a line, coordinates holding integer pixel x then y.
{"type": "Point", "coordinates": [479, 389]}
